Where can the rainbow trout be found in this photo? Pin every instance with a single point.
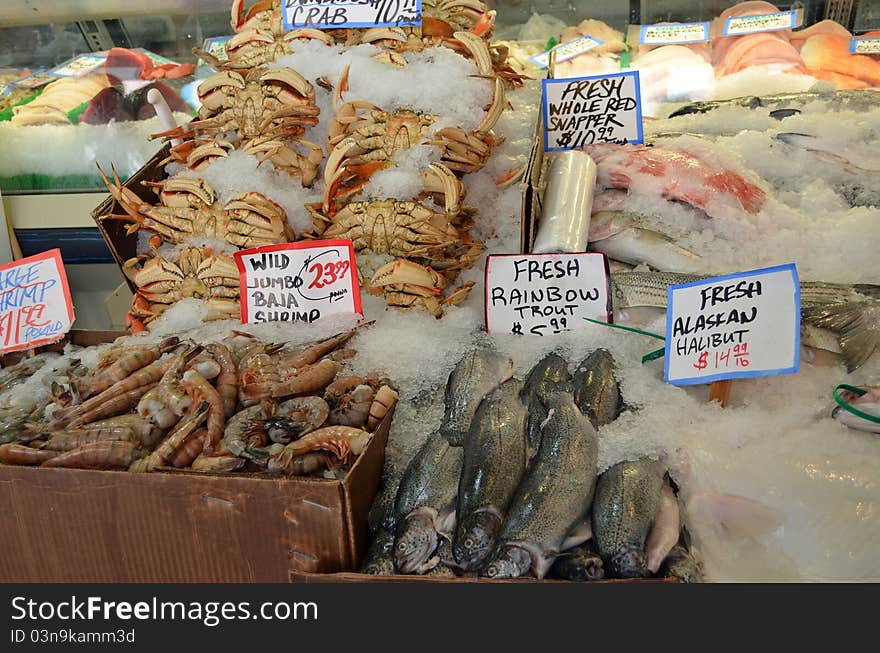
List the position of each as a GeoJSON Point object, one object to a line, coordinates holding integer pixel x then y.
{"type": "Point", "coordinates": [554, 495]}
{"type": "Point", "coordinates": [495, 457]}
{"type": "Point", "coordinates": [627, 496]}
{"type": "Point", "coordinates": [425, 504]}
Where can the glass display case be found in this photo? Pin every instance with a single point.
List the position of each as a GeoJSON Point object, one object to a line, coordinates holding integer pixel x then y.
{"type": "Point", "coordinates": [75, 77]}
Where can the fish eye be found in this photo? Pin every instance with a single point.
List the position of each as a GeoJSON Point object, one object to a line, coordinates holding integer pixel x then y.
{"type": "Point", "coordinates": [468, 543]}
{"type": "Point", "coordinates": [401, 546]}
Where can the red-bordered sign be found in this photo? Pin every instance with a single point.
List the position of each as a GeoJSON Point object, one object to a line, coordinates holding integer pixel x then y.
{"type": "Point", "coordinates": [298, 282]}
{"type": "Point", "coordinates": [35, 304]}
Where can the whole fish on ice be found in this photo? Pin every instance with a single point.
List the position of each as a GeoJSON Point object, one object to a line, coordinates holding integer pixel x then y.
{"type": "Point", "coordinates": [425, 504]}
{"type": "Point", "coordinates": [495, 457]}
{"type": "Point", "coordinates": [475, 375]}
{"type": "Point", "coordinates": [553, 498]}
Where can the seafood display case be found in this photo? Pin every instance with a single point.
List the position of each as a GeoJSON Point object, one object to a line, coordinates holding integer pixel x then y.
{"type": "Point", "coordinates": [563, 457]}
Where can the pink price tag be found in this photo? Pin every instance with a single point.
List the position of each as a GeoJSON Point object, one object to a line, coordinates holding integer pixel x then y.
{"type": "Point", "coordinates": [35, 304]}
{"type": "Point", "coordinates": [298, 282]}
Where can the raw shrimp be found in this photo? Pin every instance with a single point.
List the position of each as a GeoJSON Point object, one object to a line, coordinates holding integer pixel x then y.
{"type": "Point", "coordinates": [299, 465]}
{"type": "Point", "coordinates": [113, 406]}
{"type": "Point", "coordinates": [342, 441]}
{"type": "Point", "coordinates": [307, 379]}
{"type": "Point", "coordinates": [217, 464]}
{"type": "Point", "coordinates": [19, 454]}
{"type": "Point", "coordinates": [383, 402]}
{"type": "Point", "coordinates": [172, 441]}
{"type": "Point", "coordinates": [293, 419]}
{"type": "Point", "coordinates": [351, 401]}
{"type": "Point", "coordinates": [199, 388]}
{"type": "Point", "coordinates": [238, 428]}
{"type": "Point", "coordinates": [130, 428]}
{"type": "Point", "coordinates": [171, 390]}
{"type": "Point", "coordinates": [153, 409]}
{"type": "Point", "coordinates": [190, 449]}
{"type": "Point", "coordinates": [311, 354]}
{"type": "Point", "coordinates": [258, 374]}
{"type": "Point", "coordinates": [144, 378]}
{"type": "Point", "coordinates": [129, 361]}
{"type": "Point", "coordinates": [675, 175]}
{"type": "Point", "coordinates": [98, 455]}
{"type": "Point", "coordinates": [206, 365]}
{"type": "Point", "coordinates": [227, 379]}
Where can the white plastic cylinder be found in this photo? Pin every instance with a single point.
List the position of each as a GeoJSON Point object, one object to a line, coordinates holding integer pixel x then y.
{"type": "Point", "coordinates": [564, 225]}
{"type": "Point", "coordinates": [163, 111]}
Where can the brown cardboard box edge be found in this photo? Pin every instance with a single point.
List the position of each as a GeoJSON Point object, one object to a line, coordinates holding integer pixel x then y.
{"type": "Point", "coordinates": [348, 577]}
{"type": "Point", "coordinates": [77, 525]}
{"type": "Point", "coordinates": [123, 245]}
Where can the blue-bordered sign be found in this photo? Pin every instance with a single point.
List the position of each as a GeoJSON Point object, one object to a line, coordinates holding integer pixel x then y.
{"type": "Point", "coordinates": [737, 25]}
{"type": "Point", "coordinates": [581, 111]}
{"type": "Point", "coordinates": [870, 45]}
{"type": "Point", "coordinates": [734, 327]}
{"type": "Point", "coordinates": [566, 51]}
{"type": "Point", "coordinates": [673, 33]}
{"type": "Point", "coordinates": [329, 14]}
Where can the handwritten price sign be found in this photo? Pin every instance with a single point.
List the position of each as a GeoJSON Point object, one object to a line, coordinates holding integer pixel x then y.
{"type": "Point", "coordinates": [329, 14]}
{"type": "Point", "coordinates": [545, 294]}
{"type": "Point", "coordinates": [298, 282]}
{"type": "Point", "coordinates": [732, 327]}
{"type": "Point", "coordinates": [581, 111]}
{"type": "Point", "coordinates": [35, 305]}
{"type": "Point", "coordinates": [566, 51]}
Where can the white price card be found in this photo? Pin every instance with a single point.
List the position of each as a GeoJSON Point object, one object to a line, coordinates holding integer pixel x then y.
{"type": "Point", "coordinates": [544, 294]}
{"type": "Point", "coordinates": [671, 33]}
{"type": "Point", "coordinates": [298, 282]}
{"type": "Point", "coordinates": [337, 14]}
{"type": "Point", "coordinates": [732, 327]}
{"type": "Point", "coordinates": [735, 26]}
{"type": "Point", "coordinates": [566, 51]}
{"type": "Point", "coordinates": [865, 45]}
{"type": "Point", "coordinates": [35, 304]}
{"type": "Point", "coordinates": [79, 66]}
{"type": "Point", "coordinates": [581, 111]}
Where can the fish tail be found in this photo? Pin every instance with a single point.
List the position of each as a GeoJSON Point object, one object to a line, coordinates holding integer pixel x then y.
{"type": "Point", "coordinates": [857, 325]}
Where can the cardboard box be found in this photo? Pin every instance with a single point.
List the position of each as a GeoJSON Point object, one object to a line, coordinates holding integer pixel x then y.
{"type": "Point", "coordinates": [533, 188]}
{"type": "Point", "coordinates": [121, 244]}
{"type": "Point", "coordinates": [305, 577]}
{"type": "Point", "coordinates": [76, 525]}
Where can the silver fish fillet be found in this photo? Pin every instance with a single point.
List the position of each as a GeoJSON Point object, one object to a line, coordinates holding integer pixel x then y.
{"type": "Point", "coordinates": [495, 457]}
{"type": "Point", "coordinates": [834, 101]}
{"type": "Point", "coordinates": [851, 312]}
{"type": "Point", "coordinates": [474, 376]}
{"type": "Point", "coordinates": [552, 498]}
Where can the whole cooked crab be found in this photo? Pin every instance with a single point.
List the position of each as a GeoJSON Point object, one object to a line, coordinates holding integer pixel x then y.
{"type": "Point", "coordinates": [363, 138]}
{"type": "Point", "coordinates": [406, 284]}
{"type": "Point", "coordinates": [410, 228]}
{"type": "Point", "coordinates": [272, 104]}
{"type": "Point", "coordinates": [198, 273]}
{"type": "Point", "coordinates": [188, 208]}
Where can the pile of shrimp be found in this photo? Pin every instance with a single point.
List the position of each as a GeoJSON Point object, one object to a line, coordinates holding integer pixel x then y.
{"type": "Point", "coordinates": [239, 404]}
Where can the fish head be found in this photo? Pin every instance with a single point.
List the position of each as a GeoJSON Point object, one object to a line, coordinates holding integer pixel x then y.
{"type": "Point", "coordinates": [629, 562]}
{"type": "Point", "coordinates": [415, 542]}
{"type": "Point", "coordinates": [508, 562]}
{"type": "Point", "coordinates": [475, 537]}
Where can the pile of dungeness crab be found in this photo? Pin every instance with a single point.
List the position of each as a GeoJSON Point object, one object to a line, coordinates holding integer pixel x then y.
{"type": "Point", "coordinates": [254, 106]}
